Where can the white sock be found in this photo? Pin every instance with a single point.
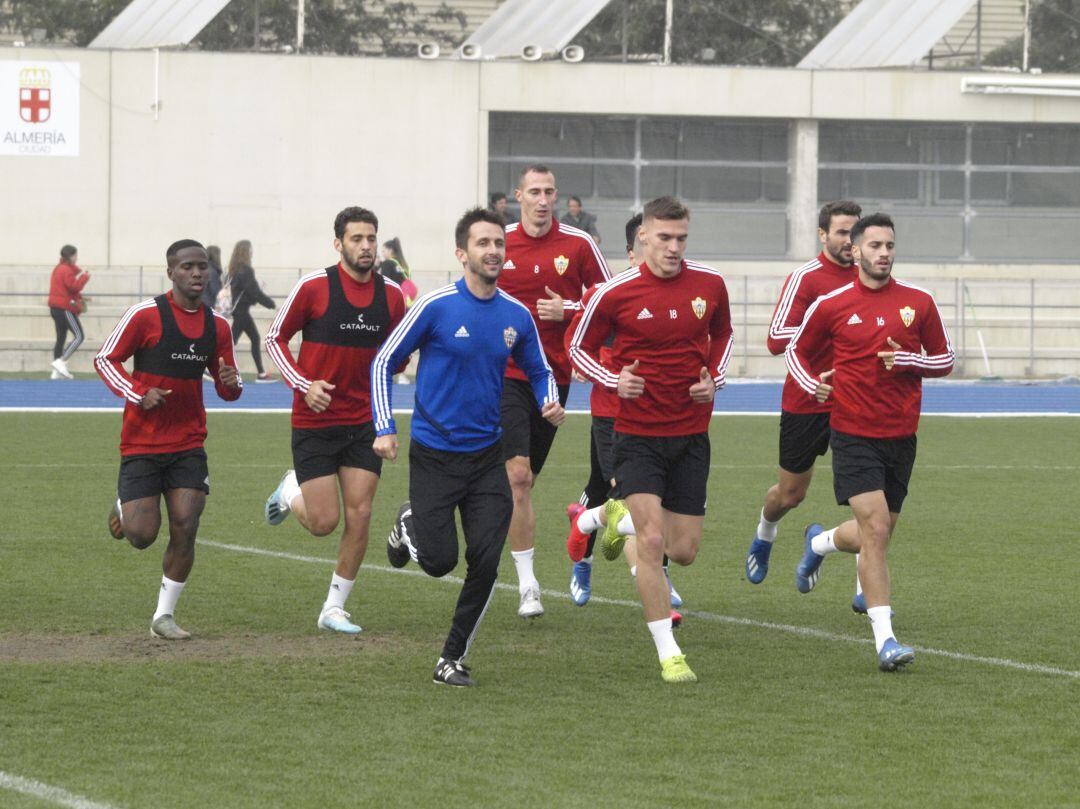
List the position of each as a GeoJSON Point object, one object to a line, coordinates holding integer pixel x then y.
{"type": "Point", "coordinates": [664, 638]}
{"type": "Point", "coordinates": [168, 595]}
{"type": "Point", "coordinates": [626, 526]}
{"type": "Point", "coordinates": [858, 583]}
{"type": "Point", "coordinates": [338, 593]}
{"type": "Point", "coordinates": [823, 543]}
{"type": "Point", "coordinates": [766, 531]}
{"type": "Point", "coordinates": [589, 520]}
{"type": "Point", "coordinates": [633, 571]}
{"type": "Point", "coordinates": [523, 561]}
{"type": "Point", "coordinates": [291, 490]}
{"type": "Point", "coordinates": [587, 560]}
{"type": "Point", "coordinates": [881, 623]}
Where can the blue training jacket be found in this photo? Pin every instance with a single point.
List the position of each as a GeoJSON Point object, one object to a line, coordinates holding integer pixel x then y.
{"type": "Point", "coordinates": [464, 343]}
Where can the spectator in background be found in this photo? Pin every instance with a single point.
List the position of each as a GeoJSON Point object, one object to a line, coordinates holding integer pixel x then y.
{"type": "Point", "coordinates": [575, 217]}
{"type": "Point", "coordinates": [213, 277]}
{"type": "Point", "coordinates": [65, 306]}
{"type": "Point", "coordinates": [245, 294]}
{"type": "Point", "coordinates": [499, 204]}
{"type": "Point", "coordinates": [394, 266]}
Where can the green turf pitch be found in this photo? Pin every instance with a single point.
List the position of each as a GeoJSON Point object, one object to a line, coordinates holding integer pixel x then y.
{"type": "Point", "coordinates": [261, 709]}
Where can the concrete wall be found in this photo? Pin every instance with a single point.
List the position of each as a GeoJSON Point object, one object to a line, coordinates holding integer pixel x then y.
{"type": "Point", "coordinates": [249, 146]}
{"type": "Point", "coordinates": [270, 147]}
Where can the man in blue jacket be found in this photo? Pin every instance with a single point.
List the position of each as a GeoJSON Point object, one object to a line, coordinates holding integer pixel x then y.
{"type": "Point", "coordinates": [465, 332]}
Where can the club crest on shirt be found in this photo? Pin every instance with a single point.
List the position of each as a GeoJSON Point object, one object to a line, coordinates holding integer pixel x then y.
{"type": "Point", "coordinates": [907, 314]}
{"type": "Point", "coordinates": [562, 263]}
{"type": "Point", "coordinates": [698, 305]}
{"type": "Point", "coordinates": [509, 336]}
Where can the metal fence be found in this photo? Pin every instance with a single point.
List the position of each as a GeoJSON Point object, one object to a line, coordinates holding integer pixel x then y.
{"type": "Point", "coordinates": [1026, 328]}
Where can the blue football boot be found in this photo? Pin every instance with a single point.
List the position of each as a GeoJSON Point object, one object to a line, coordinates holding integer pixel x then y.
{"type": "Point", "coordinates": [580, 583]}
{"type": "Point", "coordinates": [894, 656]}
{"type": "Point", "coordinates": [858, 604]}
{"type": "Point", "coordinates": [806, 573]}
{"type": "Point", "coordinates": [757, 561]}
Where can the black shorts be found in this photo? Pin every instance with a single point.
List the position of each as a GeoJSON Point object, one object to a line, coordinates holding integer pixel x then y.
{"type": "Point", "coordinates": [804, 437]}
{"type": "Point", "coordinates": [676, 469]}
{"type": "Point", "coordinates": [525, 432]}
{"type": "Point", "coordinates": [152, 474]}
{"type": "Point", "coordinates": [474, 483]}
{"type": "Point", "coordinates": [321, 452]}
{"type": "Point", "coordinates": [862, 465]}
{"type": "Point", "coordinates": [603, 439]}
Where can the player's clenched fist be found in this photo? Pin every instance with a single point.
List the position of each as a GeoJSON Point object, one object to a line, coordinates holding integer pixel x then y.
{"type": "Point", "coordinates": [823, 386]}
{"type": "Point", "coordinates": [386, 446]}
{"type": "Point", "coordinates": [554, 413]}
{"type": "Point", "coordinates": [704, 390]}
{"type": "Point", "coordinates": [155, 397]}
{"type": "Point", "coordinates": [318, 395]}
{"type": "Point", "coordinates": [630, 384]}
{"type": "Point", "coordinates": [889, 357]}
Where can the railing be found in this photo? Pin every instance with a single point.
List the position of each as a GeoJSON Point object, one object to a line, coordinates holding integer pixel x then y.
{"type": "Point", "coordinates": [1011, 328]}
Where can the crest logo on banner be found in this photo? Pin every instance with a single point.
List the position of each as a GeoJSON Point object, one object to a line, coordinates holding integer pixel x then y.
{"type": "Point", "coordinates": [35, 95]}
{"type": "Point", "coordinates": [907, 314]}
{"type": "Point", "coordinates": [698, 305]}
{"type": "Point", "coordinates": [39, 108]}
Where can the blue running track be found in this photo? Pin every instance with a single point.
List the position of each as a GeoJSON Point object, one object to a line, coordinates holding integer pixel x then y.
{"type": "Point", "coordinates": [954, 398]}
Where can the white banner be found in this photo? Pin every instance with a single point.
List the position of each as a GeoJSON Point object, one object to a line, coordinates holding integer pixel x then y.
{"type": "Point", "coordinates": [39, 108]}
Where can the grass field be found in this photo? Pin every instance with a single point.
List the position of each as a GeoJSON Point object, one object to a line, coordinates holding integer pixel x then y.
{"type": "Point", "coordinates": [260, 709]}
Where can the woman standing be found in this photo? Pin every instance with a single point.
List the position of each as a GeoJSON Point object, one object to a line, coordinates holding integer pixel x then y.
{"type": "Point", "coordinates": [65, 305]}
{"type": "Point", "coordinates": [245, 294]}
{"type": "Point", "coordinates": [396, 268]}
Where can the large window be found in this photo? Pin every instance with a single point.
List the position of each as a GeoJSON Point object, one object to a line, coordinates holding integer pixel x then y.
{"type": "Point", "coordinates": [971, 191]}
{"type": "Point", "coordinates": [732, 173]}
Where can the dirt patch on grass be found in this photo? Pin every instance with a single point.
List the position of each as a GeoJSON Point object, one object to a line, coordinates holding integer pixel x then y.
{"type": "Point", "coordinates": [37, 648]}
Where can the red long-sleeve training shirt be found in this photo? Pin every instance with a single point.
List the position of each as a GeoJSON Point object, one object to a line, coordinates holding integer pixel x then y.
{"type": "Point", "coordinates": [339, 344]}
{"type": "Point", "coordinates": [180, 423]}
{"type": "Point", "coordinates": [674, 327]}
{"type": "Point", "coordinates": [603, 403]}
{"type": "Point", "coordinates": [804, 286]}
{"type": "Point", "coordinates": [567, 261]}
{"type": "Point", "coordinates": [857, 322]}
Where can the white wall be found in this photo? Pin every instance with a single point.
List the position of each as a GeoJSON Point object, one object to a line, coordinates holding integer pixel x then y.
{"type": "Point", "coordinates": [269, 147]}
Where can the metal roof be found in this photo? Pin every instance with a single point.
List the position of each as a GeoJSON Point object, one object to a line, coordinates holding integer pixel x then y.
{"type": "Point", "coordinates": [886, 33]}
{"type": "Point", "coordinates": [547, 24]}
{"type": "Point", "coordinates": [158, 23]}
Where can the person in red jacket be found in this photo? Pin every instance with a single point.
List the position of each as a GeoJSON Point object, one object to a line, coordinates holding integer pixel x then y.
{"type": "Point", "coordinates": [604, 406]}
{"type": "Point", "coordinates": [548, 267]}
{"type": "Point", "coordinates": [885, 336]}
{"type": "Point", "coordinates": [344, 314]}
{"type": "Point", "coordinates": [804, 421]}
{"type": "Point", "coordinates": [173, 338]}
{"type": "Point", "coordinates": [65, 305]}
{"type": "Point", "coordinates": [672, 324]}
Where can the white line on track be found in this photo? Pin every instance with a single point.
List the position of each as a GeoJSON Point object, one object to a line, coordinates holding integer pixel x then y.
{"type": "Point", "coordinates": [46, 792]}
{"type": "Point", "coordinates": [705, 616]}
